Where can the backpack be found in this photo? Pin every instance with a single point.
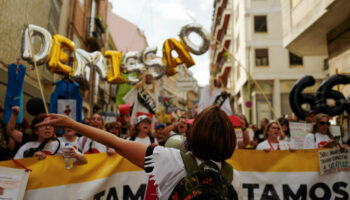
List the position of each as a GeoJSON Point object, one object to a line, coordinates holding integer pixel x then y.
{"type": "Point", "coordinates": [203, 183]}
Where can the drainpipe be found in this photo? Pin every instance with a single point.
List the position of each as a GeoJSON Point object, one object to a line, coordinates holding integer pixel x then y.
{"type": "Point", "coordinates": [249, 87]}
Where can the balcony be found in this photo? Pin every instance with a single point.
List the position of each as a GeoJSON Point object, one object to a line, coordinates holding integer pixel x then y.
{"type": "Point", "coordinates": [308, 22]}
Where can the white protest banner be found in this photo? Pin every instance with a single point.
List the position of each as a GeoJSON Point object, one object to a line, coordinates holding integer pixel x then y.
{"type": "Point", "coordinates": [334, 160]}
{"type": "Point", "coordinates": [13, 183]}
{"type": "Point", "coordinates": [298, 132]}
{"type": "Point", "coordinates": [272, 175]}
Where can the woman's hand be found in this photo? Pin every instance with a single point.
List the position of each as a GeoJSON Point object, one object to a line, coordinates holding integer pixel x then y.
{"type": "Point", "coordinates": [57, 121]}
{"type": "Point", "coordinates": [330, 144]}
{"type": "Point", "coordinates": [111, 152]}
{"type": "Point", "coordinates": [267, 150]}
{"type": "Point", "coordinates": [15, 110]}
{"type": "Point", "coordinates": [41, 155]}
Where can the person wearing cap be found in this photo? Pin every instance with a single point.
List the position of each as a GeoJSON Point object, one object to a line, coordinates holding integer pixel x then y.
{"type": "Point", "coordinates": [160, 135]}
{"type": "Point", "coordinates": [310, 117]}
{"type": "Point", "coordinates": [142, 131]}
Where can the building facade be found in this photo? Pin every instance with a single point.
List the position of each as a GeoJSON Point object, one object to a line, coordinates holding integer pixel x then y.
{"type": "Point", "coordinates": [82, 21]}
{"type": "Point", "coordinates": [319, 28]}
{"type": "Point", "coordinates": [251, 31]}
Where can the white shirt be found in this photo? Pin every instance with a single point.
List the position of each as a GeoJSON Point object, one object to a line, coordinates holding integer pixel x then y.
{"type": "Point", "coordinates": [169, 169]}
{"type": "Point", "coordinates": [86, 144]}
{"type": "Point", "coordinates": [131, 98]}
{"type": "Point", "coordinates": [49, 148]}
{"type": "Point", "coordinates": [275, 146]}
{"type": "Point", "coordinates": [145, 140]}
{"type": "Point", "coordinates": [309, 141]}
{"type": "Point", "coordinates": [208, 100]}
{"type": "Point", "coordinates": [75, 143]}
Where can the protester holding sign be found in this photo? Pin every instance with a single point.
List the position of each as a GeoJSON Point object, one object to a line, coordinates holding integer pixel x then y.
{"type": "Point", "coordinates": [320, 136]}
{"type": "Point", "coordinates": [272, 133]}
{"type": "Point", "coordinates": [210, 139]}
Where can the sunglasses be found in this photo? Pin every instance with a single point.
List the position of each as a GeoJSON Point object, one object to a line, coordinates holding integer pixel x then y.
{"type": "Point", "coordinates": [324, 123]}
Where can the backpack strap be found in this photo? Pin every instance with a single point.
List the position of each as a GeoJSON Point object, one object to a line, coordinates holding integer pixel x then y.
{"type": "Point", "coordinates": [151, 139]}
{"type": "Point", "coordinates": [227, 171]}
{"type": "Point", "coordinates": [133, 138]}
{"type": "Point", "coordinates": [190, 162]}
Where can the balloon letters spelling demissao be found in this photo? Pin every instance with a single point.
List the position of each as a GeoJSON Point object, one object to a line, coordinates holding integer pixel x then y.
{"type": "Point", "coordinates": [54, 50]}
{"type": "Point", "coordinates": [318, 103]}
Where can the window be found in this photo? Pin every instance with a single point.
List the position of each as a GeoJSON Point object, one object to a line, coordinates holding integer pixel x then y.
{"type": "Point", "coordinates": [260, 24]}
{"type": "Point", "coordinates": [294, 59]}
{"type": "Point", "coordinates": [54, 16]}
{"type": "Point", "coordinates": [82, 2]}
{"type": "Point", "coordinates": [261, 57]}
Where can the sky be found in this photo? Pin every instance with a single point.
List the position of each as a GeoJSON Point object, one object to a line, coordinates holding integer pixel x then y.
{"type": "Point", "coordinates": [161, 20]}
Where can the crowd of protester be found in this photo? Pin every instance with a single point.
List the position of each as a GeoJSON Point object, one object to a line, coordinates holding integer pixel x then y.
{"type": "Point", "coordinates": [16, 140]}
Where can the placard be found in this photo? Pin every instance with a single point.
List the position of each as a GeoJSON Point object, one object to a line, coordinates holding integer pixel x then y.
{"type": "Point", "coordinates": [298, 132]}
{"type": "Point", "coordinates": [335, 130]}
{"type": "Point", "coordinates": [13, 183]}
{"type": "Point", "coordinates": [334, 160]}
{"type": "Point", "coordinates": [67, 107]}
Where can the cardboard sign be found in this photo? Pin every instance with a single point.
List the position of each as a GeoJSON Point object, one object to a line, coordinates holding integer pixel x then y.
{"type": "Point", "coordinates": [298, 132]}
{"type": "Point", "coordinates": [67, 107]}
{"type": "Point", "coordinates": [335, 130]}
{"type": "Point", "coordinates": [334, 160]}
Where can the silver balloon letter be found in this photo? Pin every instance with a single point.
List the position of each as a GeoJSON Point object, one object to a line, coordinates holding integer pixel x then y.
{"type": "Point", "coordinates": [132, 64]}
{"type": "Point", "coordinates": [45, 46]}
{"type": "Point", "coordinates": [197, 28]}
{"type": "Point", "coordinates": [153, 63]}
{"type": "Point", "coordinates": [94, 59]}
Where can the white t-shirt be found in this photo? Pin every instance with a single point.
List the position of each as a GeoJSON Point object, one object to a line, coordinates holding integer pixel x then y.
{"type": "Point", "coordinates": [87, 146]}
{"type": "Point", "coordinates": [309, 141]}
{"type": "Point", "coordinates": [207, 100]}
{"type": "Point", "coordinates": [169, 169]}
{"type": "Point", "coordinates": [275, 146]}
{"type": "Point", "coordinates": [48, 149]}
{"type": "Point", "coordinates": [145, 140]}
{"type": "Point", "coordinates": [131, 98]}
{"type": "Point", "coordinates": [75, 143]}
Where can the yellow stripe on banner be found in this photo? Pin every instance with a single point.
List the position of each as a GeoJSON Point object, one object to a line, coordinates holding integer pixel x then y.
{"type": "Point", "coordinates": [275, 161]}
{"type": "Point", "coordinates": [52, 172]}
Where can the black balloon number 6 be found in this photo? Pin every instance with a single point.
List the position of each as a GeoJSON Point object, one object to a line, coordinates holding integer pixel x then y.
{"type": "Point", "coordinates": [296, 98]}
{"type": "Point", "coordinates": [325, 92]}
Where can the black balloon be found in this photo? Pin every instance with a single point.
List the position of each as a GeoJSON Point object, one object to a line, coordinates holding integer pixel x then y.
{"type": "Point", "coordinates": [296, 98]}
{"type": "Point", "coordinates": [325, 92]}
{"type": "Point", "coordinates": [35, 106]}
